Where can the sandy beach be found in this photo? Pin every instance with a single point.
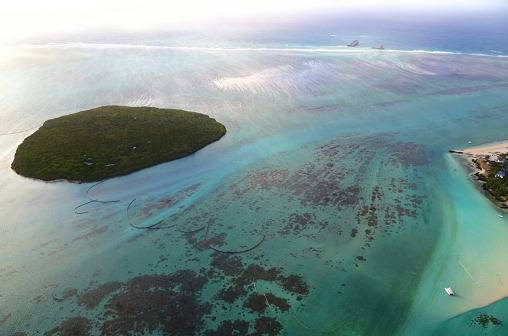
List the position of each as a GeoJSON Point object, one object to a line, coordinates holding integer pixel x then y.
{"type": "Point", "coordinates": [479, 166]}
{"type": "Point", "coordinates": [486, 149]}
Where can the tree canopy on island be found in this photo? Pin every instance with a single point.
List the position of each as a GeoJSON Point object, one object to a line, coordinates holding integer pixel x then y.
{"type": "Point", "coordinates": [109, 141]}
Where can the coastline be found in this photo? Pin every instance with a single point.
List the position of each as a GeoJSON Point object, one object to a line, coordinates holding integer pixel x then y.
{"type": "Point", "coordinates": [474, 158]}
{"type": "Point", "coordinates": [485, 149]}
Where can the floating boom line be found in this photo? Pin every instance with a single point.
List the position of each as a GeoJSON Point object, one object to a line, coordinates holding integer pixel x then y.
{"type": "Point", "coordinates": [239, 251]}
{"type": "Point", "coordinates": [89, 202]}
{"type": "Point", "coordinates": [87, 193]}
{"type": "Point", "coordinates": [156, 226]}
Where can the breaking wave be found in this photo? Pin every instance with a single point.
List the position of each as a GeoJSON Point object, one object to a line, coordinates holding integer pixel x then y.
{"type": "Point", "coordinates": [346, 50]}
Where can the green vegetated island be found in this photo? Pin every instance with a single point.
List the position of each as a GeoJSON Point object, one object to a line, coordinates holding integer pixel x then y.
{"type": "Point", "coordinates": [110, 141]}
{"type": "Point", "coordinates": [490, 163]}
{"type": "Point", "coordinates": [492, 171]}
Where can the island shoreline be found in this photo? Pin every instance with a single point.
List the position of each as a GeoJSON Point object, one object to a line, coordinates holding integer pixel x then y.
{"type": "Point", "coordinates": [112, 141]}
{"type": "Point", "coordinates": [474, 160]}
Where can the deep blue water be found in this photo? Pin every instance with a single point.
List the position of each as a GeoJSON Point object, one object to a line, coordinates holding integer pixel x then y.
{"type": "Point", "coordinates": [470, 33]}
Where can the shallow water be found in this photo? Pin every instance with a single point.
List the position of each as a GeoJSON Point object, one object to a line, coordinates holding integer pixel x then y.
{"type": "Point", "coordinates": [335, 163]}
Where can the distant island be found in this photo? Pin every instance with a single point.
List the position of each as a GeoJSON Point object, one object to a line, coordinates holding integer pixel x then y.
{"type": "Point", "coordinates": [490, 163]}
{"type": "Point", "coordinates": [110, 141]}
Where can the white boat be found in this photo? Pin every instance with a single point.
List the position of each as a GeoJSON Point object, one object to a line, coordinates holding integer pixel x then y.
{"type": "Point", "coordinates": [449, 291]}
{"type": "Point", "coordinates": [500, 216]}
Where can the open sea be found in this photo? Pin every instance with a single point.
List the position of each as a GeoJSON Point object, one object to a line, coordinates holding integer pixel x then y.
{"type": "Point", "coordinates": [331, 206]}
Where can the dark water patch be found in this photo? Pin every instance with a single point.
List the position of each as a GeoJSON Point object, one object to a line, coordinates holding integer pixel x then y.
{"type": "Point", "coordinates": [161, 224]}
{"type": "Point", "coordinates": [295, 284]}
{"type": "Point", "coordinates": [92, 298]}
{"type": "Point", "coordinates": [401, 185]}
{"type": "Point", "coordinates": [256, 302]}
{"type": "Point", "coordinates": [249, 275]}
{"type": "Point", "coordinates": [244, 276]}
{"type": "Point", "coordinates": [469, 89]}
{"type": "Point", "coordinates": [388, 213]}
{"type": "Point", "coordinates": [325, 193]}
{"type": "Point", "coordinates": [165, 303]}
{"type": "Point", "coordinates": [231, 294]}
{"type": "Point", "coordinates": [162, 259]}
{"type": "Point", "coordinates": [324, 173]}
{"type": "Point", "coordinates": [405, 85]}
{"type": "Point", "coordinates": [38, 299]}
{"type": "Point", "coordinates": [95, 231]}
{"type": "Point", "coordinates": [66, 294]}
{"type": "Point", "coordinates": [328, 179]}
{"type": "Point", "coordinates": [217, 240]}
{"type": "Point", "coordinates": [486, 320]}
{"type": "Point", "coordinates": [192, 237]}
{"type": "Point", "coordinates": [19, 333]}
{"type": "Point", "coordinates": [259, 302]}
{"type": "Point", "coordinates": [192, 231]}
{"type": "Point", "coordinates": [323, 180]}
{"type": "Point", "coordinates": [320, 181]}
{"type": "Point", "coordinates": [81, 208]}
{"type": "Point", "coordinates": [49, 242]}
{"type": "Point", "coordinates": [5, 318]}
{"type": "Point", "coordinates": [149, 208]}
{"type": "Point", "coordinates": [280, 303]}
{"type": "Point", "coordinates": [267, 326]}
{"type": "Point", "coordinates": [230, 328]}
{"type": "Point", "coordinates": [244, 250]}
{"type": "Point", "coordinates": [320, 108]}
{"type": "Point", "coordinates": [296, 223]}
{"type": "Point", "coordinates": [410, 154]}
{"type": "Point", "coordinates": [377, 194]}
{"type": "Point", "coordinates": [7, 271]}
{"type": "Point", "coordinates": [74, 326]}
{"type": "Point", "coordinates": [264, 179]}
{"type": "Point", "coordinates": [391, 103]}
{"type": "Point", "coordinates": [319, 185]}
{"type": "Point", "coordinates": [229, 265]}
{"type": "Point", "coordinates": [145, 304]}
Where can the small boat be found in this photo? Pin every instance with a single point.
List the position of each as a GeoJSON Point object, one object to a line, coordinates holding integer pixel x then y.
{"type": "Point", "coordinates": [353, 44]}
{"type": "Point", "coordinates": [449, 291]}
{"type": "Point", "coordinates": [379, 47]}
{"type": "Point", "coordinates": [500, 216]}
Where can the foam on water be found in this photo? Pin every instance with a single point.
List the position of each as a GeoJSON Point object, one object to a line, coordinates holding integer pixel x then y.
{"type": "Point", "coordinates": [310, 49]}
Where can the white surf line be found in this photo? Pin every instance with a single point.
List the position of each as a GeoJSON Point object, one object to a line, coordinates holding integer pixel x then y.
{"type": "Point", "coordinates": [344, 50]}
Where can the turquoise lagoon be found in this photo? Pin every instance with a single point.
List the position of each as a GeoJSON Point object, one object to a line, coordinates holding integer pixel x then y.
{"type": "Point", "coordinates": [335, 170]}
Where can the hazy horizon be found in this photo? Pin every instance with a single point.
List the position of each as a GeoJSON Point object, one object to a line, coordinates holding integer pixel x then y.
{"type": "Point", "coordinates": [29, 19]}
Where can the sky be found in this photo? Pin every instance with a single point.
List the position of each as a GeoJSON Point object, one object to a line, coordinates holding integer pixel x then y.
{"type": "Point", "coordinates": [20, 19]}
